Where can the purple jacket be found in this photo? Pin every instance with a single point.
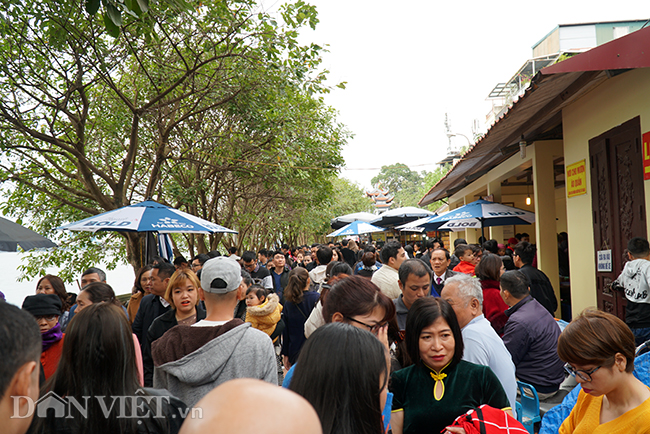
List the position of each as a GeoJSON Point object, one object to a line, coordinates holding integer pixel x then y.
{"type": "Point", "coordinates": [531, 336]}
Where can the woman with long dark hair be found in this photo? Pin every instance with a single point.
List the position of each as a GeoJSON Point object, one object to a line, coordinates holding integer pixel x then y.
{"type": "Point", "coordinates": [98, 367]}
{"type": "Point", "coordinates": [358, 302]}
{"type": "Point", "coordinates": [141, 287]}
{"type": "Point", "coordinates": [96, 292]}
{"type": "Point", "coordinates": [50, 284]}
{"type": "Point", "coordinates": [299, 302]}
{"type": "Point", "coordinates": [357, 368]}
{"type": "Point", "coordinates": [337, 256]}
{"type": "Point", "coordinates": [100, 292]}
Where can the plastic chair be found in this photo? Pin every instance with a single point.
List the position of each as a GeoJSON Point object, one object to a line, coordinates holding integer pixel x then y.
{"type": "Point", "coordinates": [643, 348]}
{"type": "Point", "coordinates": [528, 410]}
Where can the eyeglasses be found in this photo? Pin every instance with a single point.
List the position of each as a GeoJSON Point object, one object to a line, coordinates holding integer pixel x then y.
{"type": "Point", "coordinates": [372, 328]}
{"type": "Point", "coordinates": [584, 375]}
{"type": "Point", "coordinates": [48, 318]}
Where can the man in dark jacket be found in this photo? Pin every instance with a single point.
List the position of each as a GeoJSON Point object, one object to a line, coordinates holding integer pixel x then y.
{"type": "Point", "coordinates": [439, 263]}
{"type": "Point", "coordinates": [256, 270]}
{"type": "Point", "coordinates": [540, 287]}
{"type": "Point", "coordinates": [531, 336]}
{"type": "Point", "coordinates": [415, 282]}
{"type": "Point", "coordinates": [153, 305]}
{"type": "Point", "coordinates": [348, 255]}
{"type": "Point", "coordinates": [280, 274]}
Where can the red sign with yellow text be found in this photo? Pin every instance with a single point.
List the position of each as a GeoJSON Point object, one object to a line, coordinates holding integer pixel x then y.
{"type": "Point", "coordinates": [646, 156]}
{"type": "Point", "coordinates": [576, 179]}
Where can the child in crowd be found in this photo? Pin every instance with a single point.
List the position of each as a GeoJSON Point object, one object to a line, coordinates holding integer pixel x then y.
{"type": "Point", "coordinates": [466, 256]}
{"type": "Point", "coordinates": [263, 311]}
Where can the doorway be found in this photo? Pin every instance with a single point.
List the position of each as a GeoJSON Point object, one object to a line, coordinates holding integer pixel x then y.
{"type": "Point", "coordinates": [617, 203]}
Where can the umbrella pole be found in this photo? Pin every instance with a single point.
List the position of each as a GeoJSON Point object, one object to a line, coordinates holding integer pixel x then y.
{"type": "Point", "coordinates": [482, 230]}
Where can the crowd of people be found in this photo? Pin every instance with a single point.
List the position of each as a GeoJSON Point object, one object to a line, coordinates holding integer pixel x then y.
{"type": "Point", "coordinates": [362, 339]}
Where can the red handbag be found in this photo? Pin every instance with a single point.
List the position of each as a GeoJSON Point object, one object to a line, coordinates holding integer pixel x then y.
{"type": "Point", "coordinates": [489, 420]}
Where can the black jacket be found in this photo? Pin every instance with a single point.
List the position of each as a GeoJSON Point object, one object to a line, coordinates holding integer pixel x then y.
{"type": "Point", "coordinates": [150, 309]}
{"type": "Point", "coordinates": [541, 288]}
{"type": "Point", "coordinates": [438, 288]}
{"type": "Point", "coordinates": [158, 411]}
{"type": "Point", "coordinates": [349, 256]}
{"type": "Point", "coordinates": [158, 328]}
{"type": "Point", "coordinates": [284, 281]}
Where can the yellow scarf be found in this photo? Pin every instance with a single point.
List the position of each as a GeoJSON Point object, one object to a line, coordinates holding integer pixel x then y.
{"type": "Point", "coordinates": [439, 386]}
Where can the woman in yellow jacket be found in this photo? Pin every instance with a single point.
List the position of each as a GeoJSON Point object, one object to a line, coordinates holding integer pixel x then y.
{"type": "Point", "coordinates": [599, 351]}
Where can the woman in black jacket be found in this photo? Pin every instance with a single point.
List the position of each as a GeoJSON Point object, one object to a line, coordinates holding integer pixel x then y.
{"type": "Point", "coordinates": [182, 295]}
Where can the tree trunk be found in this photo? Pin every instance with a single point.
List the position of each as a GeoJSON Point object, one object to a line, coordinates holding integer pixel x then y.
{"type": "Point", "coordinates": [135, 250]}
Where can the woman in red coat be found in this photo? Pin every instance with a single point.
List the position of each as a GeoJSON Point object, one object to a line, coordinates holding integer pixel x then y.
{"type": "Point", "coordinates": [489, 272]}
{"type": "Point", "coordinates": [47, 309]}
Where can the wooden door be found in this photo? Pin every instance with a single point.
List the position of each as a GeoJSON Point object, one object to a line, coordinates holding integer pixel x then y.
{"type": "Point", "coordinates": [617, 202]}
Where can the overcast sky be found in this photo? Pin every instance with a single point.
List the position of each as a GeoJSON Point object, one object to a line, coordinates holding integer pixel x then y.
{"type": "Point", "coordinates": [406, 63]}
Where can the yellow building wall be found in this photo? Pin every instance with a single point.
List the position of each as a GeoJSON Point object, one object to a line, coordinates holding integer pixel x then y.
{"type": "Point", "coordinates": [560, 210]}
{"type": "Point", "coordinates": [514, 195]}
{"type": "Point", "coordinates": [617, 100]}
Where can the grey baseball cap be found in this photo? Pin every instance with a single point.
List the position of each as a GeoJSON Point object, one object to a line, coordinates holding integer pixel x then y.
{"type": "Point", "coordinates": [220, 275]}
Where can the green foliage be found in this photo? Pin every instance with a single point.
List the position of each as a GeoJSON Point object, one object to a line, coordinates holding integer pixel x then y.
{"type": "Point", "coordinates": [348, 198]}
{"type": "Point", "coordinates": [217, 113]}
{"type": "Point", "coordinates": [408, 186]}
{"type": "Point", "coordinates": [403, 182]}
{"type": "Point", "coordinates": [116, 13]}
{"type": "Point", "coordinates": [431, 179]}
{"type": "Point", "coordinates": [564, 56]}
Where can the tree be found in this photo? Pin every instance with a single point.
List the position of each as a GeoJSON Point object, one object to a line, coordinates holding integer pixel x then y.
{"type": "Point", "coordinates": [218, 115]}
{"type": "Point", "coordinates": [309, 220]}
{"type": "Point", "coordinates": [431, 179]}
{"type": "Point", "coordinates": [409, 186]}
{"type": "Point", "coordinates": [347, 198]}
{"type": "Point", "coordinates": [403, 182]}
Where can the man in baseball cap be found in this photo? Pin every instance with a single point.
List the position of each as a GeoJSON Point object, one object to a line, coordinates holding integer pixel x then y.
{"type": "Point", "coordinates": [190, 361]}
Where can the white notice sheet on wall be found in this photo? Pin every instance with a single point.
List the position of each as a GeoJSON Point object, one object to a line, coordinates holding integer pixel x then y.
{"type": "Point", "coordinates": [604, 260]}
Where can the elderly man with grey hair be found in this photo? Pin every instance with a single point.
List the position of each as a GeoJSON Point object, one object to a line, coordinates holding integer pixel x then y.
{"type": "Point", "coordinates": [482, 344]}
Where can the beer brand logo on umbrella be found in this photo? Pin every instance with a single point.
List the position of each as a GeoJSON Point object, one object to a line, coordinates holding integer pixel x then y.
{"type": "Point", "coordinates": [108, 223]}
{"type": "Point", "coordinates": [170, 223]}
{"type": "Point", "coordinates": [459, 215]}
